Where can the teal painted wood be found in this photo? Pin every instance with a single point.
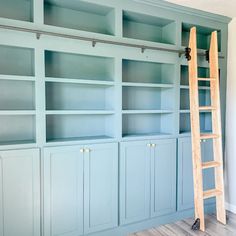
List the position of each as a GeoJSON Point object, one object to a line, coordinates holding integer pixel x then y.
{"type": "Point", "coordinates": [100, 187]}
{"type": "Point", "coordinates": [135, 183]}
{"type": "Point", "coordinates": [63, 191]}
{"type": "Point", "coordinates": [185, 174]}
{"type": "Point", "coordinates": [163, 177]}
{"type": "Point", "coordinates": [20, 193]}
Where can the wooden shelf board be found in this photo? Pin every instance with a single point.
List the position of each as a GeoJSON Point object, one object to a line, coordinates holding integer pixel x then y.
{"type": "Point", "coordinates": [74, 139]}
{"type": "Point", "coordinates": [17, 112]}
{"type": "Point", "coordinates": [17, 142]}
{"type": "Point", "coordinates": [80, 112]}
{"type": "Point", "coordinates": [145, 135]}
{"type": "Point", "coordinates": [151, 85]}
{"type": "Point", "coordinates": [147, 111]}
{"type": "Point", "coordinates": [17, 77]}
{"type": "Point", "coordinates": [80, 81]}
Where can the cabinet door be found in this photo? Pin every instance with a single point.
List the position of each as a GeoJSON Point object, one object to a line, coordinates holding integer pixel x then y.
{"type": "Point", "coordinates": [19, 193]}
{"type": "Point", "coordinates": [185, 172]}
{"type": "Point", "coordinates": [100, 187]}
{"type": "Point", "coordinates": [63, 191]}
{"type": "Point", "coordinates": [134, 181]}
{"type": "Point", "coordinates": [163, 177]}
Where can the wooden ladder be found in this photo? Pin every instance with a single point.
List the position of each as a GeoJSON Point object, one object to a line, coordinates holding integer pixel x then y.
{"type": "Point", "coordinates": [197, 136]}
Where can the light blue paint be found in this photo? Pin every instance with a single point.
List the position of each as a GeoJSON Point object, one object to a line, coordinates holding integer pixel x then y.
{"type": "Point", "coordinates": [57, 92]}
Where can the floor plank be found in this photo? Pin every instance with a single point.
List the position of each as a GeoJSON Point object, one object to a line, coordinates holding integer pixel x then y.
{"type": "Point", "coordinates": [183, 228]}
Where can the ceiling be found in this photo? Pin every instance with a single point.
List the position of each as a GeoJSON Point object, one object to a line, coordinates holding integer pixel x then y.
{"type": "Point", "coordinates": [222, 7]}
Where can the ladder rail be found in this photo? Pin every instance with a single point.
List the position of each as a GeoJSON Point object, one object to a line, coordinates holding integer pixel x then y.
{"type": "Point", "coordinates": [195, 130]}
{"type": "Point", "coordinates": [216, 127]}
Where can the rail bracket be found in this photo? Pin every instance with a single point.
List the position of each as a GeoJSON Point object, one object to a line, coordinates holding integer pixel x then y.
{"type": "Point", "coordinates": [38, 35]}
{"type": "Point", "coordinates": [187, 53]}
{"type": "Point", "coordinates": [143, 49]}
{"type": "Point", "coordinates": [94, 43]}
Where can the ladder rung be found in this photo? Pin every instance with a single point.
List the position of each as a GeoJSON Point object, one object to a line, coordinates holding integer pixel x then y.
{"type": "Point", "coordinates": [206, 108]}
{"type": "Point", "coordinates": [207, 79]}
{"type": "Point", "coordinates": [208, 136]}
{"type": "Point", "coordinates": [210, 164]}
{"type": "Point", "coordinates": [211, 193]}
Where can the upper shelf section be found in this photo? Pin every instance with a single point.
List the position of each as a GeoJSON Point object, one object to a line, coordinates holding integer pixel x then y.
{"type": "Point", "coordinates": [151, 73]}
{"type": "Point", "coordinates": [148, 28]}
{"type": "Point", "coordinates": [78, 66]}
{"type": "Point", "coordinates": [203, 36]}
{"type": "Point", "coordinates": [17, 9]}
{"type": "Point", "coordinates": [79, 15]}
{"type": "Point", "coordinates": [16, 61]}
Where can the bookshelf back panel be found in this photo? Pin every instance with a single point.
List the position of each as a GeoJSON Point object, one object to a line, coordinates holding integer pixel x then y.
{"type": "Point", "coordinates": [17, 128]}
{"type": "Point", "coordinates": [69, 96]}
{"type": "Point", "coordinates": [17, 95]}
{"type": "Point", "coordinates": [16, 61]}
{"type": "Point", "coordinates": [77, 66]}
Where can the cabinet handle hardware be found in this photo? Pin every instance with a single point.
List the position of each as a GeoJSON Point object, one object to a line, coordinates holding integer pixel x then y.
{"type": "Point", "coordinates": [149, 145]}
{"type": "Point", "coordinates": [153, 145]}
{"type": "Point", "coordinates": [82, 150]}
{"type": "Point", "coordinates": [87, 150]}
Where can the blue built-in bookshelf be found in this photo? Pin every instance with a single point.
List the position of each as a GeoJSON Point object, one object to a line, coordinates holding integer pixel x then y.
{"type": "Point", "coordinates": [94, 114]}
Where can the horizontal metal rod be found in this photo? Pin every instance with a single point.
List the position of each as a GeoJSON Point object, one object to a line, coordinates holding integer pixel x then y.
{"type": "Point", "coordinates": [95, 40]}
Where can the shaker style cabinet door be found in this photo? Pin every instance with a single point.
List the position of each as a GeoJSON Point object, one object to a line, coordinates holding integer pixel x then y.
{"type": "Point", "coordinates": [100, 187]}
{"type": "Point", "coordinates": [20, 193]}
{"type": "Point", "coordinates": [63, 191]}
{"type": "Point", "coordinates": [163, 177]}
{"type": "Point", "coordinates": [134, 181]}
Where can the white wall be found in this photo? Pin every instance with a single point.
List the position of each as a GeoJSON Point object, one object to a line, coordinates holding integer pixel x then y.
{"type": "Point", "coordinates": [230, 174]}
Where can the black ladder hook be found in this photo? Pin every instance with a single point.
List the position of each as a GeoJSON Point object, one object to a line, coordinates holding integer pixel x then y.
{"type": "Point", "coordinates": [187, 53]}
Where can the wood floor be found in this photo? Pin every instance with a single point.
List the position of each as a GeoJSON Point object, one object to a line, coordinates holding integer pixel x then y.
{"type": "Point", "coordinates": [183, 228]}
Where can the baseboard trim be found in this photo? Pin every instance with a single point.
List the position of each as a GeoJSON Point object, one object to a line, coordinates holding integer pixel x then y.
{"type": "Point", "coordinates": [230, 207]}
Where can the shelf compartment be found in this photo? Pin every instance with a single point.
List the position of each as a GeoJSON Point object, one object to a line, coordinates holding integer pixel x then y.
{"type": "Point", "coordinates": [17, 129]}
{"type": "Point", "coordinates": [79, 127]}
{"type": "Point", "coordinates": [17, 95]}
{"type": "Point", "coordinates": [17, 10]}
{"type": "Point", "coordinates": [147, 124]}
{"type": "Point", "coordinates": [205, 122]}
{"type": "Point", "coordinates": [147, 72]}
{"type": "Point", "coordinates": [204, 98]}
{"type": "Point", "coordinates": [148, 28]}
{"type": "Point", "coordinates": [139, 98]}
{"type": "Point", "coordinates": [16, 61]}
{"type": "Point", "coordinates": [79, 15]}
{"type": "Point", "coordinates": [203, 72]}
{"type": "Point", "coordinates": [78, 66]}
{"type": "Point", "coordinates": [203, 36]}
{"type": "Point", "coordinates": [69, 96]}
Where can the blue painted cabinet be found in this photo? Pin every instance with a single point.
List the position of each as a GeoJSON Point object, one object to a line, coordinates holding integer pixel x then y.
{"type": "Point", "coordinates": [19, 193]}
{"type": "Point", "coordinates": [135, 170]}
{"type": "Point", "coordinates": [147, 179]}
{"type": "Point", "coordinates": [100, 187]}
{"type": "Point", "coordinates": [163, 181]}
{"type": "Point", "coordinates": [185, 172]}
{"type": "Point", "coordinates": [80, 189]}
{"type": "Point", "coordinates": [63, 191]}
